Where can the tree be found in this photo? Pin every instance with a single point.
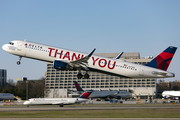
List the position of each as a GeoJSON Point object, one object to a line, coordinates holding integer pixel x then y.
{"type": "Point", "coordinates": [175, 88]}
{"type": "Point", "coordinates": [11, 82]}
{"type": "Point", "coordinates": [9, 86]}
{"type": "Point", "coordinates": [162, 87]}
{"type": "Point", "coordinates": [36, 90]}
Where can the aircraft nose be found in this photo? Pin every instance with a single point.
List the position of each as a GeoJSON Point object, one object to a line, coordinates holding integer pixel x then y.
{"type": "Point", "coordinates": [26, 103]}
{"type": "Point", "coordinates": [4, 47]}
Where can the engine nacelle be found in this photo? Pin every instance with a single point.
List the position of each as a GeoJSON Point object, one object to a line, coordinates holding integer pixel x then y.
{"type": "Point", "coordinates": [61, 65]}
{"type": "Point", "coordinates": [118, 97]}
{"type": "Point", "coordinates": [165, 97]}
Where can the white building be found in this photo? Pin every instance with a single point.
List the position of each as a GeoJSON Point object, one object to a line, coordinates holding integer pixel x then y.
{"type": "Point", "coordinates": [57, 79]}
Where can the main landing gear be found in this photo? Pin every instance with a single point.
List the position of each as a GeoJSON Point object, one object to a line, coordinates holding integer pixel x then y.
{"type": "Point", "coordinates": [18, 62]}
{"type": "Point", "coordinates": [79, 75]}
{"type": "Point", "coordinates": [61, 105]}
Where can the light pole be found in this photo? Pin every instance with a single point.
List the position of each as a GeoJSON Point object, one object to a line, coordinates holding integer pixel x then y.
{"type": "Point", "coordinates": [26, 90]}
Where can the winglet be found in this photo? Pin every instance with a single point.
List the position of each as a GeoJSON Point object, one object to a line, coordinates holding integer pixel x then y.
{"type": "Point", "coordinates": [90, 54]}
{"type": "Point", "coordinates": [119, 55]}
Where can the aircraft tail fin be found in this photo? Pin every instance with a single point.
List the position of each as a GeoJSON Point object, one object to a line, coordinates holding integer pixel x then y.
{"type": "Point", "coordinates": [86, 94]}
{"type": "Point", "coordinates": [163, 60]}
{"type": "Point", "coordinates": [78, 88]}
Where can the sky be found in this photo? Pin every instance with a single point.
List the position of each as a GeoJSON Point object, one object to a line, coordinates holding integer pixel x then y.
{"type": "Point", "coordinates": [144, 26]}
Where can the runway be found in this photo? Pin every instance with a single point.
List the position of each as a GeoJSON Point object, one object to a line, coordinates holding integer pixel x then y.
{"type": "Point", "coordinates": [57, 108]}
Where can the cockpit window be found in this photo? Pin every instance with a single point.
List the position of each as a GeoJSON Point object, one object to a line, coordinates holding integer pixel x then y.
{"type": "Point", "coordinates": [11, 43]}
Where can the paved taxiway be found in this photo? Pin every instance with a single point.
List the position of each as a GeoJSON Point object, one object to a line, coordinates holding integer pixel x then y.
{"type": "Point", "coordinates": [56, 108]}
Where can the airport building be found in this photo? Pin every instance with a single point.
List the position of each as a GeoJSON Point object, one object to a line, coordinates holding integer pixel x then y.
{"type": "Point", "coordinates": [59, 82]}
{"type": "Point", "coordinates": [3, 77]}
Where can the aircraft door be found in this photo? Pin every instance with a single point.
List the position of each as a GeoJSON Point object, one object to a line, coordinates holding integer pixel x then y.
{"type": "Point", "coordinates": [20, 49]}
{"type": "Point", "coordinates": [19, 46]}
{"type": "Point", "coordinates": [141, 71]}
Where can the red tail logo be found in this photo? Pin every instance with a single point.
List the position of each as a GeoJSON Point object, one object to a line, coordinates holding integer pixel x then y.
{"type": "Point", "coordinates": [163, 60]}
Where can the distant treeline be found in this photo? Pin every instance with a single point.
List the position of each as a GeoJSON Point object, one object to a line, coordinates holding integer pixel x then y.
{"type": "Point", "coordinates": [35, 90]}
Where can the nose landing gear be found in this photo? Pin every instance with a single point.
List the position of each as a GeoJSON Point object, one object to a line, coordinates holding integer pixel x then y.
{"type": "Point", "coordinates": [18, 62]}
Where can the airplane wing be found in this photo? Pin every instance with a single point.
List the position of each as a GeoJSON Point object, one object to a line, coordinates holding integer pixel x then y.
{"type": "Point", "coordinates": [112, 95]}
{"type": "Point", "coordinates": [83, 62]}
{"type": "Point", "coordinates": [57, 103]}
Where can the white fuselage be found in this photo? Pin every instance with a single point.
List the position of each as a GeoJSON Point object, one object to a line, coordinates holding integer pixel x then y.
{"type": "Point", "coordinates": [95, 63]}
{"type": "Point", "coordinates": [54, 101]}
{"type": "Point", "coordinates": [110, 94]}
{"type": "Point", "coordinates": [6, 96]}
{"type": "Point", "coordinates": [168, 94]}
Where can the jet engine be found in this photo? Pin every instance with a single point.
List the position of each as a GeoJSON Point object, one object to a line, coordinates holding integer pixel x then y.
{"type": "Point", "coordinates": [77, 101]}
{"type": "Point", "coordinates": [62, 65]}
{"type": "Point", "coordinates": [118, 97]}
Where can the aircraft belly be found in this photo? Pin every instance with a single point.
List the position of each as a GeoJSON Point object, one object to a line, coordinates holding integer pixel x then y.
{"type": "Point", "coordinates": [6, 97]}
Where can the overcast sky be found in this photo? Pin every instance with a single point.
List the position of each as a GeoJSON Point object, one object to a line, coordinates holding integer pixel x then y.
{"type": "Point", "coordinates": [145, 26]}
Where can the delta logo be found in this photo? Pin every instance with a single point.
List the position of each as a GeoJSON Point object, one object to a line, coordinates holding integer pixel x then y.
{"type": "Point", "coordinates": [32, 46]}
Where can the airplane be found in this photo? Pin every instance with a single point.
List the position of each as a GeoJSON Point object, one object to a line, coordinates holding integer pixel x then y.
{"type": "Point", "coordinates": [58, 101]}
{"type": "Point", "coordinates": [171, 94]}
{"type": "Point", "coordinates": [6, 96]}
{"type": "Point", "coordinates": [104, 94]}
{"type": "Point", "coordinates": [64, 59]}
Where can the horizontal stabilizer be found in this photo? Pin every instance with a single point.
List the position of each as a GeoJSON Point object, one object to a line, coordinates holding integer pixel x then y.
{"type": "Point", "coordinates": [159, 73]}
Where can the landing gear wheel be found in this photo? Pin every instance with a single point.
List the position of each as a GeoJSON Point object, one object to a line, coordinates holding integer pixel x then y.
{"type": "Point", "coordinates": [86, 76]}
{"type": "Point", "coordinates": [61, 105]}
{"type": "Point", "coordinates": [18, 62]}
{"type": "Point", "coordinates": [79, 75]}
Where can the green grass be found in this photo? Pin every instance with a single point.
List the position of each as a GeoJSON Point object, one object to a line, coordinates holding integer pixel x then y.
{"type": "Point", "coordinates": [120, 113]}
{"type": "Point", "coordinates": [123, 113]}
